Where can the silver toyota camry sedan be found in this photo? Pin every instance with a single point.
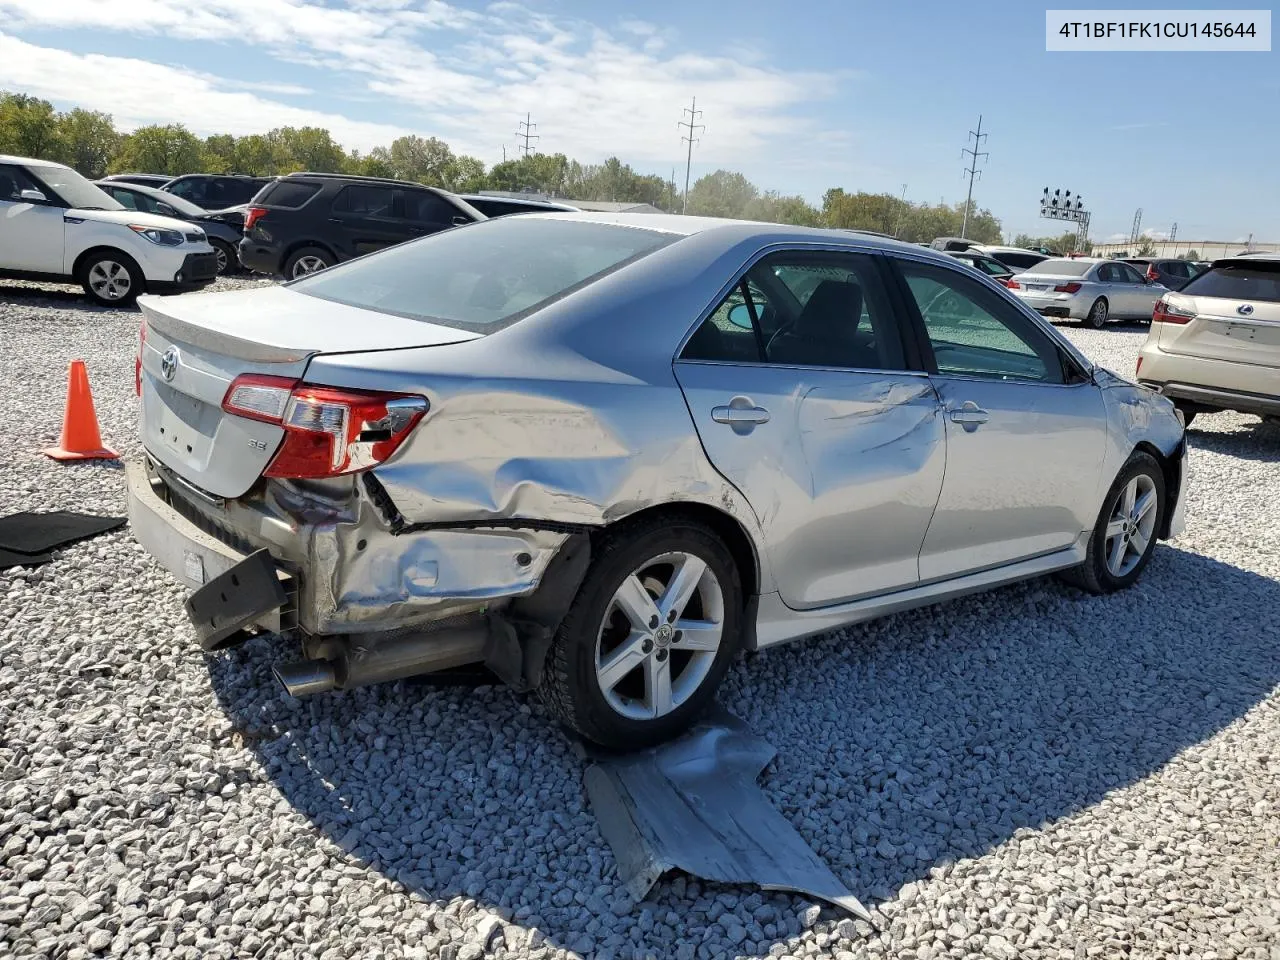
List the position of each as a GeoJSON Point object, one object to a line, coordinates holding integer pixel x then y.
{"type": "Point", "coordinates": [604, 454]}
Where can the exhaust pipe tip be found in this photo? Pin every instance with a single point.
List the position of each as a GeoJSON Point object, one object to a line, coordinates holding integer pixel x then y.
{"type": "Point", "coordinates": [302, 678]}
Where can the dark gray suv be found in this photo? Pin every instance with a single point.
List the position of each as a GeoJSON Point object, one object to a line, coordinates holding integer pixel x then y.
{"type": "Point", "coordinates": [305, 222]}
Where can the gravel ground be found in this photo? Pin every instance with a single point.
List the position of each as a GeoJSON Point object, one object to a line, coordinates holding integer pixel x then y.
{"type": "Point", "coordinates": [1029, 773]}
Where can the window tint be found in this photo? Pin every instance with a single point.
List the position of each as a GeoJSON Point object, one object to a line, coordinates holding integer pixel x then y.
{"type": "Point", "coordinates": [485, 276]}
{"type": "Point", "coordinates": [289, 194]}
{"type": "Point", "coordinates": [828, 310]}
{"type": "Point", "coordinates": [366, 201]}
{"type": "Point", "coordinates": [194, 189]}
{"type": "Point", "coordinates": [13, 180]}
{"type": "Point", "coordinates": [422, 206]}
{"type": "Point", "coordinates": [1128, 274]}
{"type": "Point", "coordinates": [1020, 260]}
{"type": "Point", "coordinates": [128, 199]}
{"type": "Point", "coordinates": [1176, 268]}
{"type": "Point", "coordinates": [974, 333]}
{"type": "Point", "coordinates": [232, 191]}
{"type": "Point", "coordinates": [993, 267]}
{"type": "Point", "coordinates": [1259, 281]}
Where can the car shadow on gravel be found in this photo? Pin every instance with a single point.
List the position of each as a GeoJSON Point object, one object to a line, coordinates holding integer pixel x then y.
{"type": "Point", "coordinates": [64, 298]}
{"type": "Point", "coordinates": [904, 745]}
{"type": "Point", "coordinates": [1254, 440]}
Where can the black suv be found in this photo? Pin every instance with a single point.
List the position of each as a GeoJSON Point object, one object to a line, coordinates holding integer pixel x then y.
{"type": "Point", "coordinates": [305, 222]}
{"type": "Point", "coordinates": [216, 191]}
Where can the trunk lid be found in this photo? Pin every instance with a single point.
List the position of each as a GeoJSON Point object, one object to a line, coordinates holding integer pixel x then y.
{"type": "Point", "coordinates": [195, 346]}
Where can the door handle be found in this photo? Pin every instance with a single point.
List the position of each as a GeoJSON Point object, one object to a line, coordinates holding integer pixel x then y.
{"type": "Point", "coordinates": [970, 415]}
{"type": "Point", "coordinates": [741, 414]}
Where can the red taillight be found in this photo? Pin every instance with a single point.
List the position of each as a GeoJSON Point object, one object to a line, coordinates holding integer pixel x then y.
{"type": "Point", "coordinates": [137, 361]}
{"type": "Point", "coordinates": [1165, 312]}
{"type": "Point", "coordinates": [1067, 288]}
{"type": "Point", "coordinates": [1152, 275]}
{"type": "Point", "coordinates": [252, 216]}
{"type": "Point", "coordinates": [1012, 284]}
{"type": "Point", "coordinates": [327, 431]}
{"type": "Point", "coordinates": [1138, 369]}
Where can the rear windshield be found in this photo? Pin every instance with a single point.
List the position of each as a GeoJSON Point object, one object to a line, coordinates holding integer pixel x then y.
{"type": "Point", "coordinates": [1062, 268]}
{"type": "Point", "coordinates": [1018, 259]}
{"type": "Point", "coordinates": [1253, 282]}
{"type": "Point", "coordinates": [289, 194]}
{"type": "Point", "coordinates": [484, 276]}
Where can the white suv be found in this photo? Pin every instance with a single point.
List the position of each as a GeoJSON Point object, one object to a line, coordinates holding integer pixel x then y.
{"type": "Point", "coordinates": [57, 226]}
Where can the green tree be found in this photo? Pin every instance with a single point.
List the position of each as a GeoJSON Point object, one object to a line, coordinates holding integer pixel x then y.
{"type": "Point", "coordinates": [774, 208]}
{"type": "Point", "coordinates": [541, 172]}
{"type": "Point", "coordinates": [28, 127]}
{"type": "Point", "coordinates": [1146, 248]}
{"type": "Point", "coordinates": [468, 175]}
{"type": "Point", "coordinates": [881, 212]}
{"type": "Point", "coordinates": [1191, 255]}
{"type": "Point", "coordinates": [422, 159]}
{"type": "Point", "coordinates": [721, 194]}
{"type": "Point", "coordinates": [375, 163]}
{"type": "Point", "coordinates": [306, 148]}
{"type": "Point", "coordinates": [258, 155]}
{"type": "Point", "coordinates": [171, 149]}
{"type": "Point", "coordinates": [86, 141]}
{"type": "Point", "coordinates": [220, 153]}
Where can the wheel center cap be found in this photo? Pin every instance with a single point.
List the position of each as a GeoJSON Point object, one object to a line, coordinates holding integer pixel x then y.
{"type": "Point", "coordinates": [662, 636]}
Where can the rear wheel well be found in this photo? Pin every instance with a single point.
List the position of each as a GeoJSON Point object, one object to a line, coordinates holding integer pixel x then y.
{"type": "Point", "coordinates": [728, 529]}
{"type": "Point", "coordinates": [299, 244]}
{"type": "Point", "coordinates": [1169, 466]}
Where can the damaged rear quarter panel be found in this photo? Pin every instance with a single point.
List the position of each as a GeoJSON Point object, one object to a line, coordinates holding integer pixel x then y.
{"type": "Point", "coordinates": [568, 416]}
{"type": "Point", "coordinates": [1135, 415]}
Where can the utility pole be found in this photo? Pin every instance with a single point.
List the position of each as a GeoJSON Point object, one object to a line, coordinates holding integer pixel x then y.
{"type": "Point", "coordinates": [524, 131]}
{"type": "Point", "coordinates": [1137, 226]}
{"type": "Point", "coordinates": [901, 211]}
{"type": "Point", "coordinates": [671, 192]}
{"type": "Point", "coordinates": [973, 153]}
{"type": "Point", "coordinates": [691, 125]}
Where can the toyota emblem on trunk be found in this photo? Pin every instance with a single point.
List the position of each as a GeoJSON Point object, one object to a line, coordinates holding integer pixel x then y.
{"type": "Point", "coordinates": [169, 363]}
{"type": "Point", "coordinates": [1244, 309]}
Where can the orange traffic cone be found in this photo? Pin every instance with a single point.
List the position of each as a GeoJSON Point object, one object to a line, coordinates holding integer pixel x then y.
{"type": "Point", "coordinates": [80, 438]}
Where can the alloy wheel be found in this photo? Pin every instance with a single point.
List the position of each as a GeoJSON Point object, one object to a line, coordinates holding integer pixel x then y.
{"type": "Point", "coordinates": [307, 265]}
{"type": "Point", "coordinates": [110, 280]}
{"type": "Point", "coordinates": [660, 635]}
{"type": "Point", "coordinates": [221, 253]}
{"type": "Point", "coordinates": [1132, 525]}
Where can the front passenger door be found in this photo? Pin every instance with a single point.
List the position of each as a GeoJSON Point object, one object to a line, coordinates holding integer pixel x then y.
{"type": "Point", "coordinates": [1025, 432]}
{"type": "Point", "coordinates": [31, 231]}
{"type": "Point", "coordinates": [802, 396]}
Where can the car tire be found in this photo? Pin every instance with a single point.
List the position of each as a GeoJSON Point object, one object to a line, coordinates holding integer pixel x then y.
{"type": "Point", "coordinates": [305, 261]}
{"type": "Point", "coordinates": [111, 278]}
{"type": "Point", "coordinates": [1097, 317]}
{"type": "Point", "coordinates": [604, 673]}
{"type": "Point", "coordinates": [228, 259]}
{"type": "Point", "coordinates": [1123, 541]}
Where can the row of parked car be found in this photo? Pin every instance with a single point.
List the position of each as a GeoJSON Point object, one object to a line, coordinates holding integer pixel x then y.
{"type": "Point", "coordinates": [303, 222]}
{"type": "Point", "coordinates": [132, 233]}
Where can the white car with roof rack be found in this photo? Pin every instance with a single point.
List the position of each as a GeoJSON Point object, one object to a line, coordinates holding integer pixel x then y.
{"type": "Point", "coordinates": [58, 227]}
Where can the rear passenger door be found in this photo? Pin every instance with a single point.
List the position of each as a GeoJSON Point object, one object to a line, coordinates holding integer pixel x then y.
{"type": "Point", "coordinates": [802, 392]}
{"type": "Point", "coordinates": [426, 212]}
{"type": "Point", "coordinates": [366, 219]}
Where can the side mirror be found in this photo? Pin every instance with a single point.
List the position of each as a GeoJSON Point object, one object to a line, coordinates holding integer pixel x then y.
{"type": "Point", "coordinates": [35, 196]}
{"type": "Point", "coordinates": [167, 211]}
{"type": "Point", "coordinates": [460, 220]}
{"type": "Point", "coordinates": [740, 316]}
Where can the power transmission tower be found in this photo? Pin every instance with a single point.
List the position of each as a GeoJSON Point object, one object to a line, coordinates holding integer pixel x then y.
{"type": "Point", "coordinates": [1137, 226]}
{"type": "Point", "coordinates": [691, 125]}
{"type": "Point", "coordinates": [524, 131]}
{"type": "Point", "coordinates": [1173, 233]}
{"type": "Point", "coordinates": [972, 170]}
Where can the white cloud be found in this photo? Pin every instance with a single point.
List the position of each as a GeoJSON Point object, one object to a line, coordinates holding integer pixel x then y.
{"type": "Point", "coordinates": [435, 69]}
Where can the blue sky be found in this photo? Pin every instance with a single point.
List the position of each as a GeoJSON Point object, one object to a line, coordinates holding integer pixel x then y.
{"type": "Point", "coordinates": [799, 96]}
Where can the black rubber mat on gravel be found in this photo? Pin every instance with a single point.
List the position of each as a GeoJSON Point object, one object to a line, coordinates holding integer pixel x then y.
{"type": "Point", "coordinates": [37, 533]}
{"type": "Point", "coordinates": [10, 559]}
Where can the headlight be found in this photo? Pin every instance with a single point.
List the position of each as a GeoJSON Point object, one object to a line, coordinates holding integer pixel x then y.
{"type": "Point", "coordinates": [165, 238]}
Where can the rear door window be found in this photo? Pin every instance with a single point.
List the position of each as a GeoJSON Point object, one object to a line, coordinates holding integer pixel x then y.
{"type": "Point", "coordinates": [364, 200]}
{"type": "Point", "coordinates": [195, 189]}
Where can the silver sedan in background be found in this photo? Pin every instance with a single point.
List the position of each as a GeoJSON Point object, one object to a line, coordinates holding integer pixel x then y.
{"type": "Point", "coordinates": [605, 454]}
{"type": "Point", "coordinates": [1091, 290]}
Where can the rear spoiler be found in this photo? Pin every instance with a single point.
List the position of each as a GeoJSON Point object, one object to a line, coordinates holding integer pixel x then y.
{"type": "Point", "coordinates": [158, 315]}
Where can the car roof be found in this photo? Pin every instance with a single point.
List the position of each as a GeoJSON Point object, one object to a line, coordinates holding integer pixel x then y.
{"type": "Point", "coordinates": [1246, 258]}
{"type": "Point", "coordinates": [29, 161]}
{"type": "Point", "coordinates": [1000, 249]}
{"type": "Point", "coordinates": [737, 230]}
{"type": "Point", "coordinates": [532, 202]}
